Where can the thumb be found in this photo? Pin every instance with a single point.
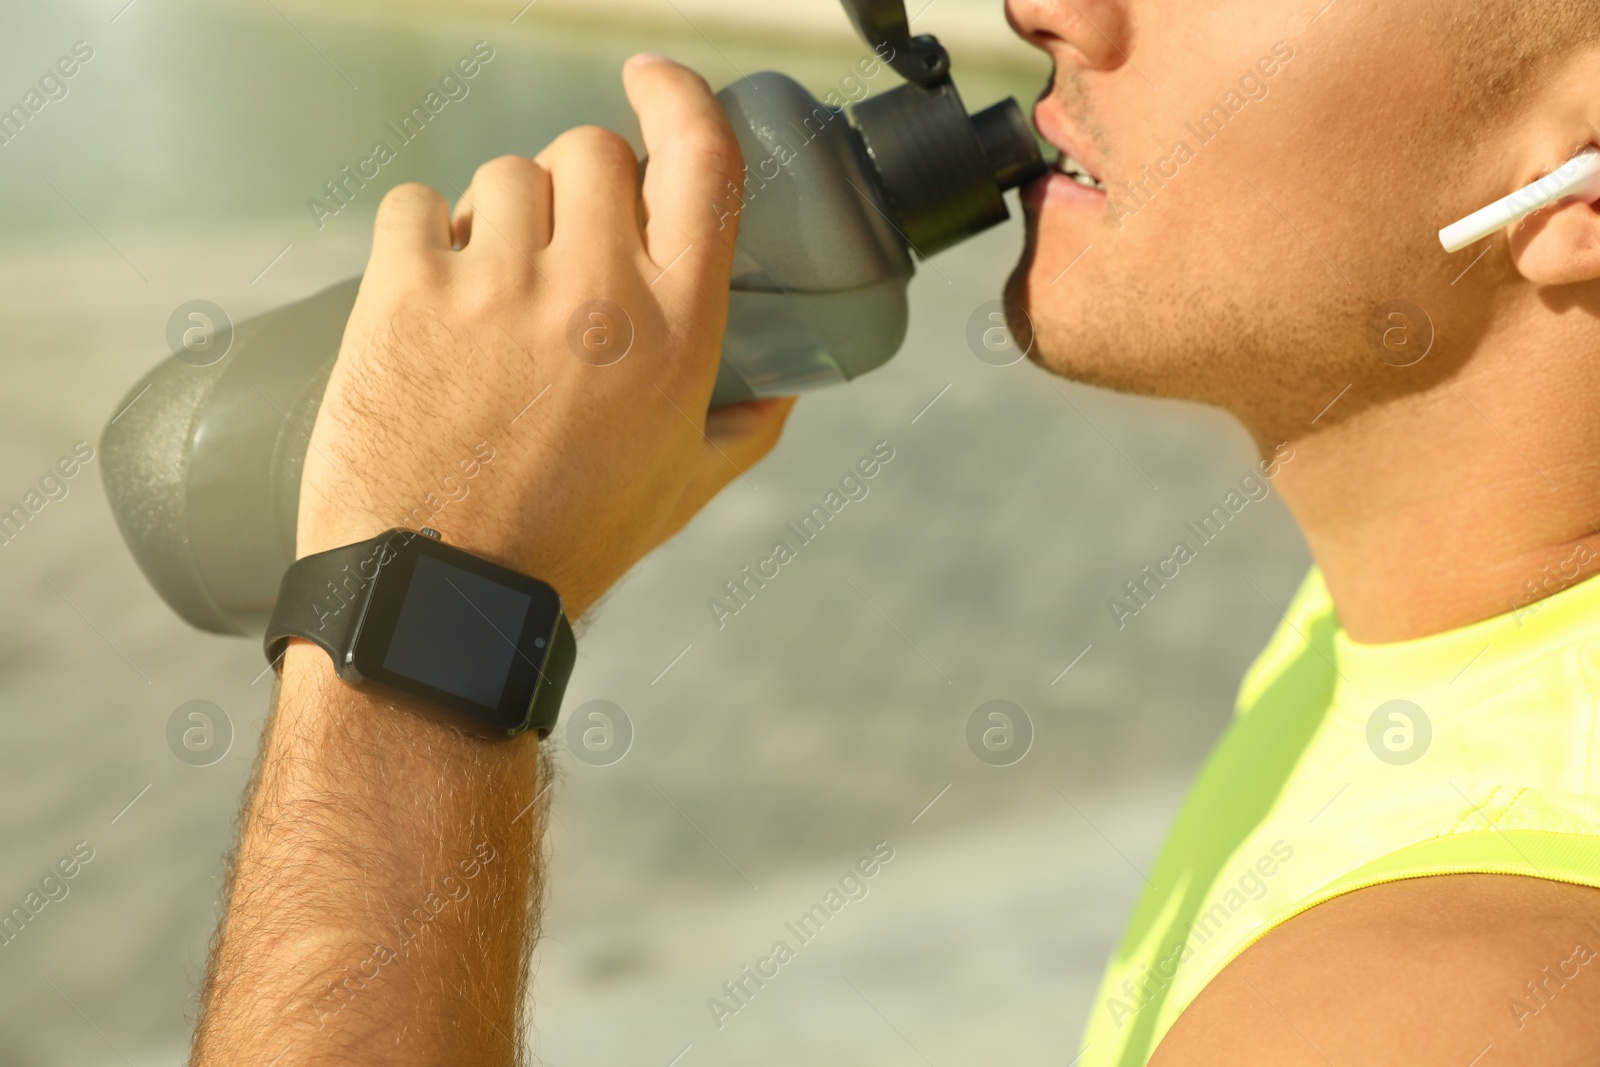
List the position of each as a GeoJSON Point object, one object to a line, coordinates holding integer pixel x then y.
{"type": "Point", "coordinates": [738, 436]}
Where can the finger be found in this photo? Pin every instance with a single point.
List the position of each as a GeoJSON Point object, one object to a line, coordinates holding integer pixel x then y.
{"type": "Point", "coordinates": [737, 437]}
{"type": "Point", "coordinates": [461, 221]}
{"type": "Point", "coordinates": [506, 210]}
{"type": "Point", "coordinates": [596, 180]}
{"type": "Point", "coordinates": [749, 429]}
{"type": "Point", "coordinates": [413, 220]}
{"type": "Point", "coordinates": [695, 177]}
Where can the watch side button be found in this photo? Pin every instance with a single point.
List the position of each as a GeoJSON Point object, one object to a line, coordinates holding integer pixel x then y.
{"type": "Point", "coordinates": [429, 531]}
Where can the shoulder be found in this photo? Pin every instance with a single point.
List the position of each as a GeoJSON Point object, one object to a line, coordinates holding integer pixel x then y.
{"type": "Point", "coordinates": [1487, 970]}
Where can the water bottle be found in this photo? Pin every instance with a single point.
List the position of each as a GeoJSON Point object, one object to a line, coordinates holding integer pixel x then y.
{"type": "Point", "coordinates": [203, 471]}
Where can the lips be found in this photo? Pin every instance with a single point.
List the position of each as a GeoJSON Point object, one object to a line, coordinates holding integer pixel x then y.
{"type": "Point", "coordinates": [1066, 164]}
{"type": "Point", "coordinates": [1073, 159]}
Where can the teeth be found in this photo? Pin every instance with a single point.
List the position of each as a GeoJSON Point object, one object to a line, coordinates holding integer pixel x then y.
{"type": "Point", "coordinates": [1065, 164]}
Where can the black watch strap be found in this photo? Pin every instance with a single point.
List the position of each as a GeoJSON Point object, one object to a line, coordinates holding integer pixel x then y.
{"type": "Point", "coordinates": [325, 598]}
{"type": "Point", "coordinates": [322, 602]}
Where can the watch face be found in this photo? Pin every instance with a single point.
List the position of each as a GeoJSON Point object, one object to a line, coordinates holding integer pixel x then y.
{"type": "Point", "coordinates": [457, 631]}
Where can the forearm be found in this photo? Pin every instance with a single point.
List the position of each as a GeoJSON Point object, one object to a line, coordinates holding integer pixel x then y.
{"type": "Point", "coordinates": [383, 898]}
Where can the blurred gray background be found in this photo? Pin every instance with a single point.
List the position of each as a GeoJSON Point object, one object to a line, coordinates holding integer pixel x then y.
{"type": "Point", "coordinates": [826, 716]}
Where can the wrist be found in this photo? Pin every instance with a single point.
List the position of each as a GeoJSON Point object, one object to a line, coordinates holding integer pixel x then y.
{"type": "Point", "coordinates": [505, 543]}
{"type": "Point", "coordinates": [315, 702]}
{"type": "Point", "coordinates": [391, 768]}
{"type": "Point", "coordinates": [381, 853]}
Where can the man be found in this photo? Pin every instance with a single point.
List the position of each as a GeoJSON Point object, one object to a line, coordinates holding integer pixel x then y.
{"type": "Point", "coordinates": [1392, 856]}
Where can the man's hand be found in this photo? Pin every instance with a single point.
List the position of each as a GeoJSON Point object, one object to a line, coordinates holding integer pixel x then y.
{"type": "Point", "coordinates": [547, 288]}
{"type": "Point", "coordinates": [383, 899]}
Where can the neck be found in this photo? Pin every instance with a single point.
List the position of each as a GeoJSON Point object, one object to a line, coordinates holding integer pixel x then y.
{"type": "Point", "coordinates": [1474, 498]}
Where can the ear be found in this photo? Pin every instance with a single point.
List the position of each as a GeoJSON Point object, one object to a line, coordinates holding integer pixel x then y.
{"type": "Point", "coordinates": [1559, 245]}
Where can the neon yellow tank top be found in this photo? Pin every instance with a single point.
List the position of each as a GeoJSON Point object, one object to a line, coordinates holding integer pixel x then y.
{"type": "Point", "coordinates": [1348, 765]}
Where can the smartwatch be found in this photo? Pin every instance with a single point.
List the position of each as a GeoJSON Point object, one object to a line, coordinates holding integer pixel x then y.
{"type": "Point", "coordinates": [488, 647]}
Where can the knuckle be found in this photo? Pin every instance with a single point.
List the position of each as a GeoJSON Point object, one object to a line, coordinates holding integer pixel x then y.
{"type": "Point", "coordinates": [408, 200]}
{"type": "Point", "coordinates": [488, 293]}
{"type": "Point", "coordinates": [507, 169]}
{"type": "Point", "coordinates": [597, 142]}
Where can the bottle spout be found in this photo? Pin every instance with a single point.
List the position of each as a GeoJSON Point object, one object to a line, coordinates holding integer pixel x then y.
{"type": "Point", "coordinates": [1009, 144]}
{"type": "Point", "coordinates": [941, 172]}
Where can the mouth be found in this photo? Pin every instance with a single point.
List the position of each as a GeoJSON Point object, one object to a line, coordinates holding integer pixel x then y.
{"type": "Point", "coordinates": [1065, 164]}
{"type": "Point", "coordinates": [1072, 180]}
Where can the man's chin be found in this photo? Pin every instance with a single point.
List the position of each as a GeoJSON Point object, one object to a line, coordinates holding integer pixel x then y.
{"type": "Point", "coordinates": [1069, 345]}
{"type": "Point", "coordinates": [1029, 315]}
{"type": "Point", "coordinates": [1017, 298]}
{"type": "Point", "coordinates": [1032, 325]}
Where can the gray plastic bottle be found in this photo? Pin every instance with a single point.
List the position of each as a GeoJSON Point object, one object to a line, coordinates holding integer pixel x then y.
{"type": "Point", "coordinates": [203, 472]}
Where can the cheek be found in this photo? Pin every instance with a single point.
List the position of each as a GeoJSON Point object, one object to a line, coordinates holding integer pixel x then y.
{"type": "Point", "coordinates": [1234, 251]}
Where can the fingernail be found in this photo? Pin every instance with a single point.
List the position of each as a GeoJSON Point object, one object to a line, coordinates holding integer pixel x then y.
{"type": "Point", "coordinates": [642, 58]}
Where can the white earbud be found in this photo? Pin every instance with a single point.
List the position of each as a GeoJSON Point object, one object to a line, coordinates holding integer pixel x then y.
{"type": "Point", "coordinates": [1578, 176]}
